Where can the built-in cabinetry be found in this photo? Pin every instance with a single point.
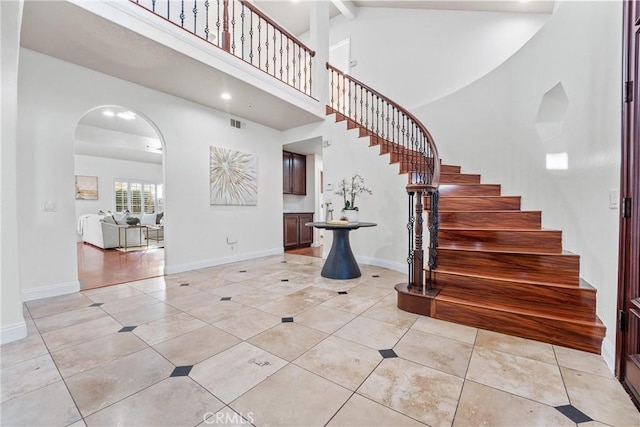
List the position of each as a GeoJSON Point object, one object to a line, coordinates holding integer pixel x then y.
{"type": "Point", "coordinates": [295, 231]}
{"type": "Point", "coordinates": [294, 173]}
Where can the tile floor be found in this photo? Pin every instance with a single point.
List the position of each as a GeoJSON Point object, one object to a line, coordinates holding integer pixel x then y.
{"type": "Point", "coordinates": [271, 343]}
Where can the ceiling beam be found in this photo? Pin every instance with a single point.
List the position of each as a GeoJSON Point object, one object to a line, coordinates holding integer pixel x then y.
{"type": "Point", "coordinates": [346, 8]}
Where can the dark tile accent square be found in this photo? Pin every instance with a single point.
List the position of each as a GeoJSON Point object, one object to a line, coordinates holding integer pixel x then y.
{"type": "Point", "coordinates": [574, 414]}
{"type": "Point", "coordinates": [242, 271]}
{"type": "Point", "coordinates": [181, 371]}
{"type": "Point", "coordinates": [376, 275]}
{"type": "Point", "coordinates": [225, 299]}
{"type": "Point", "coordinates": [287, 319]}
{"type": "Point", "coordinates": [388, 353]}
{"type": "Point", "coordinates": [284, 280]}
{"type": "Point", "coordinates": [96, 304]}
{"type": "Point", "coordinates": [283, 262]}
{"type": "Point", "coordinates": [127, 329]}
{"type": "Point", "coordinates": [184, 284]}
{"type": "Point", "coordinates": [342, 292]}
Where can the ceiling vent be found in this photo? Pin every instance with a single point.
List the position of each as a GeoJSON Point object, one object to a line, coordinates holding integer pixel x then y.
{"type": "Point", "coordinates": [237, 124]}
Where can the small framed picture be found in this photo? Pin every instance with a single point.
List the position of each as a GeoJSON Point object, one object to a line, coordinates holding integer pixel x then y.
{"type": "Point", "coordinates": [86, 187]}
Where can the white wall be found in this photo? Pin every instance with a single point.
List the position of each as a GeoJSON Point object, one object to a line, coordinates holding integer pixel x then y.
{"type": "Point", "coordinates": [53, 95]}
{"type": "Point", "coordinates": [12, 324]}
{"type": "Point", "coordinates": [107, 170]}
{"type": "Point", "coordinates": [415, 56]}
{"type": "Point", "coordinates": [488, 128]}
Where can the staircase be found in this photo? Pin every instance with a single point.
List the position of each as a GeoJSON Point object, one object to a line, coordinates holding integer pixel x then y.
{"type": "Point", "coordinates": [497, 268]}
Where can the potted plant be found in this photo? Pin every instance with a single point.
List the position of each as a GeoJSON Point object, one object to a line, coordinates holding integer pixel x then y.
{"type": "Point", "coordinates": [349, 190]}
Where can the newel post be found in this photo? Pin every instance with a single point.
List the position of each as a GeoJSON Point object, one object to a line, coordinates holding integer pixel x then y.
{"type": "Point", "coordinates": [226, 35]}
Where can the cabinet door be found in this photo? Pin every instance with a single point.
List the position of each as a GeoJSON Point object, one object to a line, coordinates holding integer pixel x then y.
{"type": "Point", "coordinates": [299, 174]}
{"type": "Point", "coordinates": [306, 233]}
{"type": "Point", "coordinates": [286, 172]}
{"type": "Point", "coordinates": [291, 232]}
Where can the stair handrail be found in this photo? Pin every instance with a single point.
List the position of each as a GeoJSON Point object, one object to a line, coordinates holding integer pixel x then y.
{"type": "Point", "coordinates": [409, 142]}
{"type": "Point", "coordinates": [251, 36]}
{"type": "Point", "coordinates": [351, 113]}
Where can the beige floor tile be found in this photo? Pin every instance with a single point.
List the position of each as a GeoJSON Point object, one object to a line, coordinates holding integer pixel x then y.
{"type": "Point", "coordinates": [522, 347]}
{"type": "Point", "coordinates": [288, 340]}
{"type": "Point", "coordinates": [48, 406]}
{"type": "Point", "coordinates": [88, 355]}
{"type": "Point", "coordinates": [196, 346]}
{"type": "Point", "coordinates": [175, 292]}
{"type": "Point", "coordinates": [343, 362]}
{"type": "Point", "coordinates": [106, 384]}
{"type": "Point", "coordinates": [210, 284]}
{"type": "Point", "coordinates": [485, 406]}
{"type": "Point", "coordinates": [27, 376]}
{"type": "Point", "coordinates": [153, 284]}
{"type": "Point", "coordinates": [83, 332]}
{"type": "Point", "coordinates": [350, 304]}
{"type": "Point", "coordinates": [48, 306]}
{"type": "Point", "coordinates": [372, 333]}
{"type": "Point", "coordinates": [373, 291]}
{"type": "Point", "coordinates": [79, 423]}
{"type": "Point", "coordinates": [68, 318]}
{"type": "Point", "coordinates": [419, 392]}
{"type": "Point", "coordinates": [390, 314]}
{"type": "Point", "coordinates": [287, 306]}
{"type": "Point", "coordinates": [189, 276]}
{"type": "Point", "coordinates": [602, 399]}
{"type": "Point", "coordinates": [232, 290]}
{"type": "Point", "coordinates": [126, 304]}
{"type": "Point", "coordinates": [362, 412]}
{"type": "Point", "coordinates": [217, 311]}
{"type": "Point", "coordinates": [325, 319]}
{"type": "Point", "coordinates": [184, 403]}
{"type": "Point", "coordinates": [292, 397]}
{"type": "Point", "coordinates": [234, 371]}
{"type": "Point", "coordinates": [335, 285]}
{"type": "Point", "coordinates": [256, 298]}
{"type": "Point", "coordinates": [242, 273]}
{"type": "Point", "coordinates": [582, 361]}
{"type": "Point", "coordinates": [436, 352]}
{"type": "Point", "coordinates": [18, 351]}
{"type": "Point", "coordinates": [524, 377]}
{"type": "Point", "coordinates": [145, 314]}
{"type": "Point", "coordinates": [167, 328]}
{"type": "Point", "coordinates": [454, 331]}
{"type": "Point", "coordinates": [191, 302]}
{"type": "Point", "coordinates": [285, 288]}
{"type": "Point", "coordinates": [111, 293]}
{"type": "Point", "coordinates": [247, 323]}
{"type": "Point", "coordinates": [314, 294]}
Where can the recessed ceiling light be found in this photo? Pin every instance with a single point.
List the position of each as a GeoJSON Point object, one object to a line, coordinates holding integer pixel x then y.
{"type": "Point", "coordinates": [108, 113]}
{"type": "Point", "coordinates": [127, 115]}
{"type": "Point", "coordinates": [225, 96]}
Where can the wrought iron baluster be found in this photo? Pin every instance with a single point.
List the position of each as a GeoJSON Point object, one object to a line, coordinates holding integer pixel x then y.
{"type": "Point", "coordinates": [299, 66]}
{"type": "Point", "coordinates": [274, 50]}
{"type": "Point", "coordinates": [233, 27]}
{"type": "Point", "coordinates": [287, 67]}
{"type": "Point", "coordinates": [259, 48]}
{"type": "Point", "coordinates": [266, 45]}
{"type": "Point", "coordinates": [219, 41]}
{"type": "Point", "coordinates": [206, 20]}
{"type": "Point", "coordinates": [195, 16]}
{"type": "Point", "coordinates": [338, 91]}
{"type": "Point", "coordinates": [344, 98]}
{"type": "Point", "coordinates": [281, 50]}
{"type": "Point", "coordinates": [332, 98]}
{"type": "Point", "coordinates": [310, 75]}
{"type": "Point", "coordinates": [153, 5]}
{"type": "Point", "coordinates": [251, 36]}
{"type": "Point", "coordinates": [305, 72]}
{"type": "Point", "coordinates": [410, 225]}
{"type": "Point", "coordinates": [182, 14]}
{"type": "Point", "coordinates": [242, 38]}
{"type": "Point", "coordinates": [434, 227]}
{"type": "Point", "coordinates": [169, 10]}
{"type": "Point", "coordinates": [361, 110]}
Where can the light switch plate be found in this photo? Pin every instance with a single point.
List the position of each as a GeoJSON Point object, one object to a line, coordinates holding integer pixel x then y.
{"type": "Point", "coordinates": [613, 198]}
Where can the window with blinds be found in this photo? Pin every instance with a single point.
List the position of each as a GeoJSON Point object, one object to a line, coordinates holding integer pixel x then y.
{"type": "Point", "coordinates": [138, 197]}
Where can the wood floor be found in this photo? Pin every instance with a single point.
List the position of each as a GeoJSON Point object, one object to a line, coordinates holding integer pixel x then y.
{"type": "Point", "coordinates": [311, 251]}
{"type": "Point", "coordinates": [98, 268]}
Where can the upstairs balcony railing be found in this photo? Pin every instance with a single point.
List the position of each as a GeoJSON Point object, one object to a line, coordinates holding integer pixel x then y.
{"type": "Point", "coordinates": [238, 27]}
{"type": "Point", "coordinates": [408, 142]}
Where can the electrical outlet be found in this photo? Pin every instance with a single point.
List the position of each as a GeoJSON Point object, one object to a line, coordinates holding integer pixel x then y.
{"type": "Point", "coordinates": [613, 198]}
{"type": "Point", "coordinates": [48, 207]}
{"type": "Point", "coordinates": [232, 240]}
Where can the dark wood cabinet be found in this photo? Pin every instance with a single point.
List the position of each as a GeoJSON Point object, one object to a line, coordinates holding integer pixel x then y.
{"type": "Point", "coordinates": [296, 233]}
{"type": "Point", "coordinates": [294, 173]}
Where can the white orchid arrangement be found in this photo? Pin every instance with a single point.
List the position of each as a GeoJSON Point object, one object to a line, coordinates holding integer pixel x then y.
{"type": "Point", "coordinates": [349, 191]}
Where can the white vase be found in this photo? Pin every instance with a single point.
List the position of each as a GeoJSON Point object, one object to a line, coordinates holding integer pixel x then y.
{"type": "Point", "coordinates": [352, 215]}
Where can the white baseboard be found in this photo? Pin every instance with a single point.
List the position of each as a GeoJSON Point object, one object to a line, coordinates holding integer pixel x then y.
{"type": "Point", "coordinates": [180, 268]}
{"type": "Point", "coordinates": [14, 332]}
{"type": "Point", "coordinates": [50, 291]}
{"type": "Point", "coordinates": [609, 354]}
{"type": "Point", "coordinates": [378, 262]}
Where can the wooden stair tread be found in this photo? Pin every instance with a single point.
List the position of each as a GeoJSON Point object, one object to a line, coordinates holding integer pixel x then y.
{"type": "Point", "coordinates": [487, 211]}
{"type": "Point", "coordinates": [596, 323]}
{"type": "Point", "coordinates": [581, 285]}
{"type": "Point", "coordinates": [504, 251]}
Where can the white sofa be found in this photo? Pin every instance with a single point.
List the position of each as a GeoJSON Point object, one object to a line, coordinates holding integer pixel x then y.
{"type": "Point", "coordinates": [95, 231]}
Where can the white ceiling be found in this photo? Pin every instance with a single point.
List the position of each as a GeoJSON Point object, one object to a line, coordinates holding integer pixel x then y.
{"type": "Point", "coordinates": [136, 126]}
{"type": "Point", "coordinates": [291, 15]}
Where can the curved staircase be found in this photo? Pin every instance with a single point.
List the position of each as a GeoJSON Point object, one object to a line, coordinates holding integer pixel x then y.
{"type": "Point", "coordinates": [497, 268]}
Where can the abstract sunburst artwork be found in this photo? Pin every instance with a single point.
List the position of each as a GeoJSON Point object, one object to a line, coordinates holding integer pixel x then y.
{"type": "Point", "coordinates": [233, 177]}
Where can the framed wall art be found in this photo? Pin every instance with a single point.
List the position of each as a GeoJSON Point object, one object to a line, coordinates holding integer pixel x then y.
{"type": "Point", "coordinates": [86, 187]}
{"type": "Point", "coordinates": [233, 177]}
